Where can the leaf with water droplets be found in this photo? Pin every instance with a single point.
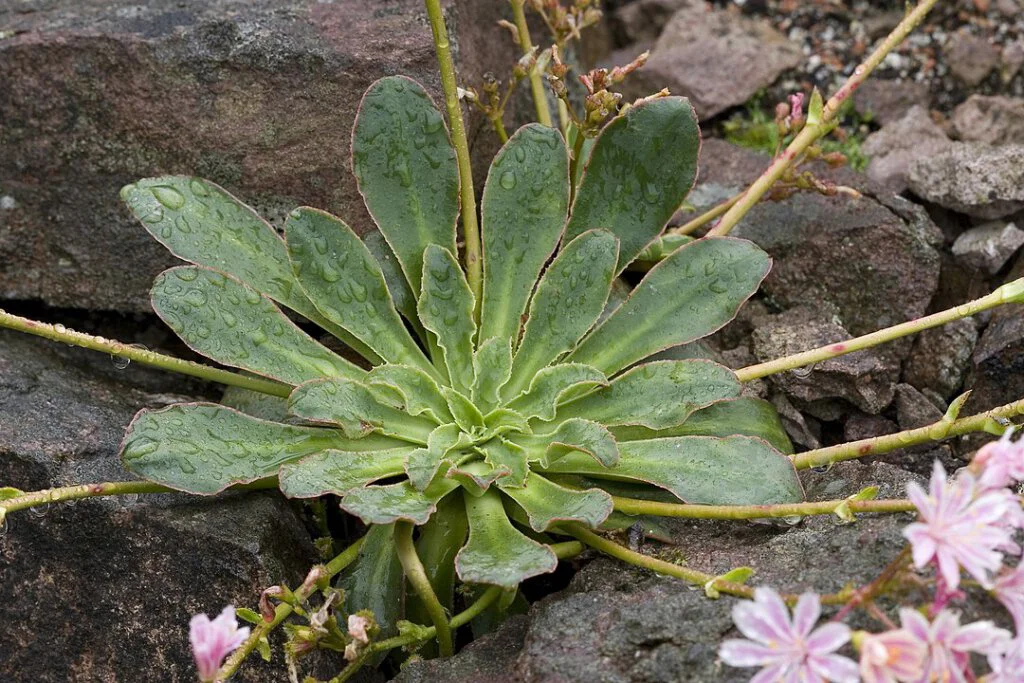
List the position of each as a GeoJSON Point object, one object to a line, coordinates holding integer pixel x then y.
{"type": "Point", "coordinates": [467, 415]}
{"type": "Point", "coordinates": [568, 301]}
{"type": "Point", "coordinates": [523, 213]}
{"type": "Point", "coordinates": [553, 385]}
{"type": "Point", "coordinates": [547, 503]}
{"type": "Point", "coordinates": [737, 470]}
{"type": "Point", "coordinates": [375, 581]}
{"type": "Point", "coordinates": [640, 170]}
{"type": "Point", "coordinates": [657, 395]}
{"type": "Point", "coordinates": [745, 415]}
{"type": "Point", "coordinates": [692, 293]}
{"type": "Point", "coordinates": [202, 223]}
{"type": "Point", "coordinates": [234, 324]}
{"type": "Point", "coordinates": [417, 390]}
{"type": "Point", "coordinates": [475, 477]}
{"type": "Point", "coordinates": [263, 406]}
{"type": "Point", "coordinates": [574, 435]}
{"type": "Point", "coordinates": [423, 464]}
{"type": "Point", "coordinates": [356, 410]}
{"type": "Point", "coordinates": [336, 472]}
{"type": "Point", "coordinates": [203, 448]}
{"type": "Point", "coordinates": [393, 502]}
{"type": "Point", "coordinates": [405, 168]}
{"type": "Point", "coordinates": [505, 455]}
{"type": "Point", "coordinates": [658, 250]}
{"type": "Point", "coordinates": [398, 286]}
{"type": "Point", "coordinates": [446, 309]}
{"type": "Point", "coordinates": [345, 283]}
{"type": "Point", "coordinates": [497, 553]}
{"type": "Point", "coordinates": [492, 365]}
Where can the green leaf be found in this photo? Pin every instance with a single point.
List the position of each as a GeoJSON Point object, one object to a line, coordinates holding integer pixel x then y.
{"type": "Point", "coordinates": [736, 470]}
{"type": "Point", "coordinates": [467, 415]}
{"type": "Point", "coordinates": [640, 170]}
{"type": "Point", "coordinates": [375, 580]}
{"type": "Point", "coordinates": [334, 471]}
{"type": "Point", "coordinates": [492, 365]}
{"type": "Point", "coordinates": [656, 395]}
{"type": "Point", "coordinates": [203, 448]}
{"type": "Point", "coordinates": [398, 286]}
{"type": "Point", "coordinates": [420, 394]}
{"type": "Point", "coordinates": [439, 541]}
{"type": "Point", "coordinates": [659, 249]}
{"type": "Point", "coordinates": [740, 416]}
{"type": "Point", "coordinates": [503, 421]}
{"type": "Point", "coordinates": [569, 299]}
{"type": "Point", "coordinates": [263, 406]}
{"type": "Point", "coordinates": [546, 503]}
{"type": "Point", "coordinates": [344, 281]}
{"type": "Point", "coordinates": [524, 210]}
{"type": "Point", "coordinates": [353, 407]}
{"type": "Point", "coordinates": [692, 293]}
{"type": "Point", "coordinates": [233, 324]}
{"type": "Point", "coordinates": [554, 385]}
{"type": "Point", "coordinates": [423, 463]}
{"type": "Point", "coordinates": [202, 223]}
{"type": "Point", "coordinates": [497, 553]}
{"type": "Point", "coordinates": [393, 502]}
{"type": "Point", "coordinates": [576, 435]}
{"type": "Point", "coordinates": [405, 168]}
{"type": "Point", "coordinates": [475, 477]}
{"type": "Point", "coordinates": [505, 455]}
{"type": "Point", "coordinates": [446, 309]}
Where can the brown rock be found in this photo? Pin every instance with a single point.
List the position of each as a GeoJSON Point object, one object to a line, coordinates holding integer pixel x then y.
{"type": "Point", "coordinates": [889, 100]}
{"type": "Point", "coordinates": [898, 144]}
{"type": "Point", "coordinates": [971, 58]}
{"type": "Point", "coordinates": [940, 357]}
{"type": "Point", "coordinates": [994, 120]}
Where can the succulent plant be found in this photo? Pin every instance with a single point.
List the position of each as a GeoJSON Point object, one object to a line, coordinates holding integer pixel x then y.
{"type": "Point", "coordinates": [488, 421]}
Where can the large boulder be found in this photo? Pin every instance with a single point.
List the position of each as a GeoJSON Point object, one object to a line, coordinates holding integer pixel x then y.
{"type": "Point", "coordinates": [258, 96]}
{"type": "Point", "coordinates": [974, 178]}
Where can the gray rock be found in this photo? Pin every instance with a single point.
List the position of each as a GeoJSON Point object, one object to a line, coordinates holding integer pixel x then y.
{"type": "Point", "coordinates": [988, 247]}
{"type": "Point", "coordinates": [973, 178]}
{"type": "Point", "coordinates": [914, 409]}
{"type": "Point", "coordinates": [104, 588]}
{"type": "Point", "coordinates": [971, 58]}
{"type": "Point", "coordinates": [641, 21]}
{"type": "Point", "coordinates": [995, 120]}
{"type": "Point", "coordinates": [898, 144]}
{"type": "Point", "coordinates": [258, 96]}
{"type": "Point", "coordinates": [996, 375]}
{"type": "Point", "coordinates": [1013, 59]}
{"type": "Point", "coordinates": [795, 424]}
{"type": "Point", "coordinates": [889, 100]}
{"type": "Point", "coordinates": [863, 426]}
{"type": "Point", "coordinates": [941, 356]}
{"type": "Point", "coordinates": [715, 58]}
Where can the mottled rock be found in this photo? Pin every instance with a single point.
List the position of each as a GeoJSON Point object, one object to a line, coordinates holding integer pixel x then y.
{"type": "Point", "coordinates": [988, 247]}
{"type": "Point", "coordinates": [996, 375]}
{"type": "Point", "coordinates": [258, 96]}
{"type": "Point", "coordinates": [973, 178]}
{"type": "Point", "coordinates": [971, 58]}
{"type": "Point", "coordinates": [864, 426]}
{"type": "Point", "coordinates": [898, 144]}
{"type": "Point", "coordinates": [914, 409]}
{"type": "Point", "coordinates": [889, 100]}
{"type": "Point", "coordinates": [115, 581]}
{"type": "Point", "coordinates": [940, 357]}
{"type": "Point", "coordinates": [715, 58]}
{"type": "Point", "coordinates": [1013, 59]}
{"type": "Point", "coordinates": [642, 21]}
{"type": "Point", "coordinates": [802, 432]}
{"type": "Point", "coordinates": [995, 120]}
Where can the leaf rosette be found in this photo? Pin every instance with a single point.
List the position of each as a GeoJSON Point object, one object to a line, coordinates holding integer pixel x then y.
{"type": "Point", "coordinates": [487, 434]}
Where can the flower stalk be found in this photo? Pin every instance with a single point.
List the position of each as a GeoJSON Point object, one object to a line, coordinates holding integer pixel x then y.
{"type": "Point", "coordinates": [540, 98]}
{"type": "Point", "coordinates": [420, 582]}
{"type": "Point", "coordinates": [68, 493]}
{"type": "Point", "coordinates": [633, 506]}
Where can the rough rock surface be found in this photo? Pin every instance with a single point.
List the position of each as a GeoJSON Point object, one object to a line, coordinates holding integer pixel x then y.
{"type": "Point", "coordinates": [889, 100]}
{"type": "Point", "coordinates": [973, 178]}
{"type": "Point", "coordinates": [988, 247]}
{"type": "Point", "coordinates": [996, 375]}
{"type": "Point", "coordinates": [699, 45]}
{"type": "Point", "coordinates": [940, 357]}
{"type": "Point", "coordinates": [995, 120]}
{"type": "Point", "coordinates": [971, 58]}
{"type": "Point", "coordinates": [898, 144]}
{"type": "Point", "coordinates": [257, 96]}
{"type": "Point", "coordinates": [115, 581]}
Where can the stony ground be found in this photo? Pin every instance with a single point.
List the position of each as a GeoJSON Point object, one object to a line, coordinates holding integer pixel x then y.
{"type": "Point", "coordinates": [96, 93]}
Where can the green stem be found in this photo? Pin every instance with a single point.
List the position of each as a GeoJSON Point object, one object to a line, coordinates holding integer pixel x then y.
{"type": "Point", "coordinates": [706, 217]}
{"type": "Point", "coordinates": [574, 162]}
{"type": "Point", "coordinates": [283, 610]}
{"type": "Point", "coordinates": [812, 132]}
{"type": "Point", "coordinates": [540, 98]}
{"type": "Point", "coordinates": [417, 576]}
{"type": "Point", "coordinates": [982, 422]}
{"type": "Point", "coordinates": [59, 333]}
{"type": "Point", "coordinates": [876, 587]}
{"type": "Point", "coordinates": [1012, 292]}
{"type": "Point", "coordinates": [66, 493]}
{"type": "Point", "coordinates": [470, 227]}
{"type": "Point", "coordinates": [633, 506]}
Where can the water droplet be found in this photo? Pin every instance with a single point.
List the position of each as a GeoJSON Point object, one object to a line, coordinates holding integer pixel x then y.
{"type": "Point", "coordinates": [520, 153]}
{"type": "Point", "coordinates": [508, 180]}
{"type": "Point", "coordinates": [230, 319]}
{"type": "Point", "coordinates": [187, 274]}
{"type": "Point", "coordinates": [169, 197]}
{"type": "Point", "coordinates": [652, 192]}
{"type": "Point", "coordinates": [184, 224]}
{"type": "Point", "coordinates": [195, 297]}
{"type": "Point", "coordinates": [60, 329]}
{"type": "Point", "coordinates": [154, 216]}
{"type": "Point", "coordinates": [803, 372]}
{"type": "Point", "coordinates": [198, 188]}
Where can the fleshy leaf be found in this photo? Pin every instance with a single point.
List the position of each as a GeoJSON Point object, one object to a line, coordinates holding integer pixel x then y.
{"type": "Point", "coordinates": [744, 416]}
{"type": "Point", "coordinates": [492, 364]}
{"type": "Point", "coordinates": [737, 470]}
{"type": "Point", "coordinates": [446, 309]}
{"type": "Point", "coordinates": [569, 298]}
{"type": "Point", "coordinates": [502, 454]}
{"type": "Point", "coordinates": [263, 406]}
{"type": "Point", "coordinates": [553, 385]}
{"type": "Point", "coordinates": [523, 213]}
{"type": "Point", "coordinates": [466, 415]}
{"type": "Point", "coordinates": [336, 472]}
{"type": "Point", "coordinates": [375, 581]}
{"type": "Point", "coordinates": [659, 249]}
{"type": "Point", "coordinates": [345, 283]}
{"type": "Point", "coordinates": [497, 553]}
{"type": "Point", "coordinates": [204, 447]}
{"type": "Point", "coordinates": [504, 420]}
{"type": "Point", "coordinates": [547, 503]}
{"type": "Point", "coordinates": [353, 407]}
{"type": "Point", "coordinates": [475, 477]}
{"type": "Point", "coordinates": [398, 286]}
{"type": "Point", "coordinates": [393, 502]}
{"type": "Point", "coordinates": [692, 293]}
{"type": "Point", "coordinates": [423, 463]}
{"type": "Point", "coordinates": [234, 324]}
{"type": "Point", "coordinates": [656, 395]}
{"type": "Point", "coordinates": [439, 541]}
{"type": "Point", "coordinates": [640, 170]}
{"type": "Point", "coordinates": [405, 168]}
{"type": "Point", "coordinates": [419, 392]}
{"type": "Point", "coordinates": [591, 439]}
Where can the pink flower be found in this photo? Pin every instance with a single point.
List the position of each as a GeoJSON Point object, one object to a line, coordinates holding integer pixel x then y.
{"type": "Point", "coordinates": [950, 644]}
{"type": "Point", "coordinates": [1007, 667]}
{"type": "Point", "coordinates": [962, 526]}
{"type": "Point", "coordinates": [892, 656]}
{"type": "Point", "coordinates": [787, 649]}
{"type": "Point", "coordinates": [212, 641]}
{"type": "Point", "coordinates": [1009, 590]}
{"type": "Point", "coordinates": [357, 626]}
{"type": "Point", "coordinates": [796, 106]}
{"type": "Point", "coordinates": [1001, 462]}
